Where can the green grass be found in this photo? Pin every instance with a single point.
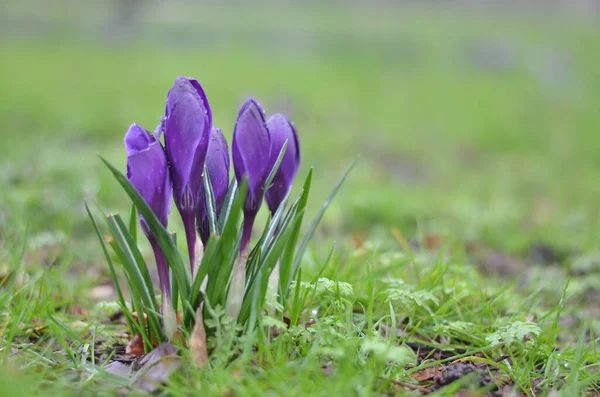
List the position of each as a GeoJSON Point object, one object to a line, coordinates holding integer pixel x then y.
{"type": "Point", "coordinates": [494, 162]}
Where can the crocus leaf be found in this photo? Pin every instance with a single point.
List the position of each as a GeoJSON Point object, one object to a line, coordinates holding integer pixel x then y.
{"type": "Point", "coordinates": [216, 290]}
{"type": "Point", "coordinates": [211, 206]}
{"type": "Point", "coordinates": [136, 297]}
{"type": "Point", "coordinates": [204, 268]}
{"type": "Point", "coordinates": [227, 204]}
{"type": "Point", "coordinates": [317, 220]}
{"type": "Point", "coordinates": [258, 284]}
{"type": "Point", "coordinates": [287, 259]}
{"type": "Point", "coordinates": [171, 252]}
{"type": "Point", "coordinates": [275, 168]}
{"type": "Point", "coordinates": [218, 250]}
{"type": "Point", "coordinates": [300, 252]}
{"type": "Point", "coordinates": [137, 255]}
{"type": "Point", "coordinates": [282, 222]}
{"type": "Point", "coordinates": [216, 174]}
{"type": "Point", "coordinates": [133, 223]}
{"type": "Point", "coordinates": [137, 271]}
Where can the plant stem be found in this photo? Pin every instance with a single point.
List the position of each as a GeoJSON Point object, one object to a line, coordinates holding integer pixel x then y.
{"type": "Point", "coordinates": [249, 218]}
{"type": "Point", "coordinates": [161, 266]}
{"type": "Point", "coordinates": [189, 224]}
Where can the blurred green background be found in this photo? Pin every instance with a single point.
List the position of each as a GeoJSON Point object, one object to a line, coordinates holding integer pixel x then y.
{"type": "Point", "coordinates": [471, 119]}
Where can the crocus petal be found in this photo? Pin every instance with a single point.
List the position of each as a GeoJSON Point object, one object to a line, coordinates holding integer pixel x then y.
{"type": "Point", "coordinates": [147, 170]}
{"type": "Point", "coordinates": [186, 126]}
{"type": "Point", "coordinates": [217, 163]}
{"type": "Point", "coordinates": [196, 84]}
{"type": "Point", "coordinates": [251, 151]}
{"type": "Point", "coordinates": [281, 129]}
{"type": "Point", "coordinates": [137, 139]}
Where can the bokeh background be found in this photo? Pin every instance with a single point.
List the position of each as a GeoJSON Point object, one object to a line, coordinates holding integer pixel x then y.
{"type": "Point", "coordinates": [478, 120]}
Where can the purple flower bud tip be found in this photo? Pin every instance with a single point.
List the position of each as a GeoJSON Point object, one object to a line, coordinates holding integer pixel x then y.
{"type": "Point", "coordinates": [251, 151]}
{"type": "Point", "coordinates": [147, 170]}
{"type": "Point", "coordinates": [217, 164]}
{"type": "Point", "coordinates": [281, 130]}
{"type": "Point", "coordinates": [187, 125]}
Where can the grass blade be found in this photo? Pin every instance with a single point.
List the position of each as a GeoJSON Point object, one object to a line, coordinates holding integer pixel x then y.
{"type": "Point", "coordinates": [111, 267]}
{"type": "Point", "coordinates": [317, 220]}
{"type": "Point", "coordinates": [285, 265]}
{"type": "Point", "coordinates": [64, 329]}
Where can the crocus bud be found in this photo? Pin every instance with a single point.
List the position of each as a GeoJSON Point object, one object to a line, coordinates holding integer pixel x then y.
{"type": "Point", "coordinates": [217, 164]}
{"type": "Point", "coordinates": [148, 172]}
{"type": "Point", "coordinates": [250, 151]}
{"type": "Point", "coordinates": [281, 129]}
{"type": "Point", "coordinates": [187, 124]}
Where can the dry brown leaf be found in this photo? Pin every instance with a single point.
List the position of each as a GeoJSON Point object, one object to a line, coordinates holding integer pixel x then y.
{"type": "Point", "coordinates": [136, 316]}
{"type": "Point", "coordinates": [135, 346]}
{"type": "Point", "coordinates": [119, 369]}
{"type": "Point", "coordinates": [156, 367]}
{"type": "Point", "coordinates": [401, 239]}
{"type": "Point", "coordinates": [77, 309]}
{"type": "Point", "coordinates": [427, 374]}
{"type": "Point", "coordinates": [36, 330]}
{"type": "Point", "coordinates": [359, 241]}
{"type": "Point", "coordinates": [433, 241]}
{"type": "Point", "coordinates": [198, 341]}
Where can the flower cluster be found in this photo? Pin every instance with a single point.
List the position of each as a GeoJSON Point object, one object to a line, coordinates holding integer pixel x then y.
{"type": "Point", "coordinates": [194, 147]}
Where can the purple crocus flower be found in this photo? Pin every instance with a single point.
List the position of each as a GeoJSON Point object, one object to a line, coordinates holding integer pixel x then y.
{"type": "Point", "coordinates": [187, 125]}
{"type": "Point", "coordinates": [148, 172]}
{"type": "Point", "coordinates": [217, 163]}
{"type": "Point", "coordinates": [250, 151]}
{"type": "Point", "coordinates": [282, 129]}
